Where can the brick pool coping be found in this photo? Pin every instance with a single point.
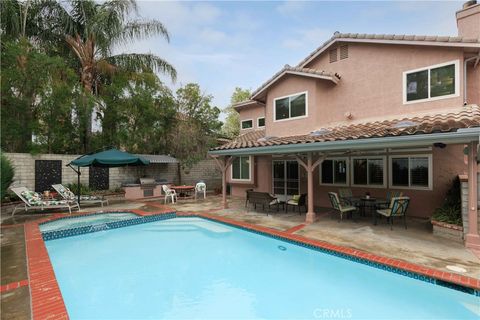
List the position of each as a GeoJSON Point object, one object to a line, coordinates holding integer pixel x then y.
{"type": "Point", "coordinates": [47, 302]}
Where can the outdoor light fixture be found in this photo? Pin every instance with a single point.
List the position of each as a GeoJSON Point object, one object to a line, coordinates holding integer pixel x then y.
{"type": "Point", "coordinates": [439, 145]}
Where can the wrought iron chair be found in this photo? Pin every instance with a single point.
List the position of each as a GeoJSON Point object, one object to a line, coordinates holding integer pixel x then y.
{"type": "Point", "coordinates": [390, 194]}
{"type": "Point", "coordinates": [299, 201]}
{"type": "Point", "coordinates": [397, 208]}
{"type": "Point", "coordinates": [346, 195]}
{"type": "Point", "coordinates": [339, 206]}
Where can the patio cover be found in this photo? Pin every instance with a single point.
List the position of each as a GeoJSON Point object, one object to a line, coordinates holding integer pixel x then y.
{"type": "Point", "coordinates": [458, 125]}
{"type": "Point", "coordinates": [158, 158]}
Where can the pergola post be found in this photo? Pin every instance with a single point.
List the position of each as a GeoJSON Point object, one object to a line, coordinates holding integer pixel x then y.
{"type": "Point", "coordinates": [310, 167]}
{"type": "Point", "coordinates": [472, 239]}
{"type": "Point", "coordinates": [223, 164]}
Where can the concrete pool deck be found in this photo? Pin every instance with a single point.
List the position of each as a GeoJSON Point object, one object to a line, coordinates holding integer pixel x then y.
{"type": "Point", "coordinates": [415, 245]}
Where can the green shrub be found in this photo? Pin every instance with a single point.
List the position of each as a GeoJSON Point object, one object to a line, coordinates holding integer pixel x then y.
{"type": "Point", "coordinates": [84, 189]}
{"type": "Point", "coordinates": [7, 173]}
{"type": "Point", "coordinates": [451, 209]}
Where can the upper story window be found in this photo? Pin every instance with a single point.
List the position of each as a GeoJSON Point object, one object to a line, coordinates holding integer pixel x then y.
{"type": "Point", "coordinates": [412, 172]}
{"type": "Point", "coordinates": [247, 124]}
{"type": "Point", "coordinates": [261, 122]}
{"type": "Point", "coordinates": [289, 107]}
{"type": "Point", "coordinates": [241, 167]}
{"type": "Point", "coordinates": [431, 83]}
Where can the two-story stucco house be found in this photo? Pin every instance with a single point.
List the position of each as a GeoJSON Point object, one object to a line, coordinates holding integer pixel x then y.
{"type": "Point", "coordinates": [369, 112]}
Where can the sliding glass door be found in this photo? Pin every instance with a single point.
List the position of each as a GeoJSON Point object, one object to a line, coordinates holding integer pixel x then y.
{"type": "Point", "coordinates": [286, 179]}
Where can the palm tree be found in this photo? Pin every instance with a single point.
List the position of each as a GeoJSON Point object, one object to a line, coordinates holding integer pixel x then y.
{"type": "Point", "coordinates": [91, 31]}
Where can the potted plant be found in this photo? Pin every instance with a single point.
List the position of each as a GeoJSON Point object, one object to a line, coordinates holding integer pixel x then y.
{"type": "Point", "coordinates": [447, 219]}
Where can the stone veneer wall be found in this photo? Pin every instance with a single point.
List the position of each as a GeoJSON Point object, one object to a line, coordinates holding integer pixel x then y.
{"type": "Point", "coordinates": [24, 164]}
{"type": "Point", "coordinates": [464, 197]}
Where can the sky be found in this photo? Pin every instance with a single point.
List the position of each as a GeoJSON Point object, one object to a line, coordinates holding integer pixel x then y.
{"type": "Point", "coordinates": [226, 44]}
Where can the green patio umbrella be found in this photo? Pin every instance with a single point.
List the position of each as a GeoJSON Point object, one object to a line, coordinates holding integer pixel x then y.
{"type": "Point", "coordinates": [108, 158]}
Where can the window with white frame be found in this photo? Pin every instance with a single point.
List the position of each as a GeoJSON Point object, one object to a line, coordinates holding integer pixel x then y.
{"type": "Point", "coordinates": [334, 172]}
{"type": "Point", "coordinates": [293, 106]}
{"type": "Point", "coordinates": [431, 83]}
{"type": "Point", "coordinates": [411, 171]}
{"type": "Point", "coordinates": [261, 122]}
{"type": "Point", "coordinates": [241, 168]}
{"type": "Point", "coordinates": [368, 171]}
{"type": "Point", "coordinates": [247, 124]}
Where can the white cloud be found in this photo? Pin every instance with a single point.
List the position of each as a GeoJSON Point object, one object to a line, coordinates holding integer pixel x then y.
{"type": "Point", "coordinates": [211, 35]}
{"type": "Point", "coordinates": [290, 7]}
{"type": "Point", "coordinates": [181, 17]}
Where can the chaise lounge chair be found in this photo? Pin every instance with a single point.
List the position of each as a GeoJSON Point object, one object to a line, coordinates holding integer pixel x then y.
{"type": "Point", "coordinates": [33, 200]}
{"type": "Point", "coordinates": [68, 195]}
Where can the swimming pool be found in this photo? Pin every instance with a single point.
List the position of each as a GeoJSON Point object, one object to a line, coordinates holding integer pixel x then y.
{"type": "Point", "coordinates": [194, 268]}
{"type": "Point", "coordinates": [85, 220]}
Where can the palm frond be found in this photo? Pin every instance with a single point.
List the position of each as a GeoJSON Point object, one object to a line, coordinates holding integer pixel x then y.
{"type": "Point", "coordinates": [136, 62]}
{"type": "Point", "coordinates": [10, 23]}
{"type": "Point", "coordinates": [120, 8]}
{"type": "Point", "coordinates": [141, 29]}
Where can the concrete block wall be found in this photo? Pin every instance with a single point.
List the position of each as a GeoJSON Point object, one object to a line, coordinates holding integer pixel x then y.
{"type": "Point", "coordinates": [205, 170]}
{"type": "Point", "coordinates": [24, 164]}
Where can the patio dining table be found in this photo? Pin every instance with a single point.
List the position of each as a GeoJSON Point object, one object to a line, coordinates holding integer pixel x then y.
{"type": "Point", "coordinates": [183, 192]}
{"type": "Point", "coordinates": [364, 203]}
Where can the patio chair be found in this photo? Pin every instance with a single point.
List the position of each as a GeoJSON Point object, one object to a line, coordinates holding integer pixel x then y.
{"type": "Point", "coordinates": [169, 193]}
{"type": "Point", "coordinates": [297, 201]}
{"type": "Point", "coordinates": [247, 197]}
{"type": "Point", "coordinates": [398, 208]}
{"type": "Point", "coordinates": [390, 194]}
{"type": "Point", "coordinates": [33, 200]}
{"type": "Point", "coordinates": [346, 195]}
{"type": "Point", "coordinates": [68, 195]}
{"type": "Point", "coordinates": [339, 206]}
{"type": "Point", "coordinates": [201, 187]}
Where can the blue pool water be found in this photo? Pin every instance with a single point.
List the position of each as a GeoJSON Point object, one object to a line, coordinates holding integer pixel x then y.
{"type": "Point", "coordinates": [87, 220]}
{"type": "Point", "coordinates": [186, 268]}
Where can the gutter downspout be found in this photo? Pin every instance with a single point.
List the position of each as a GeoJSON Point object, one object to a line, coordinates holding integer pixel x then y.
{"type": "Point", "coordinates": [465, 77]}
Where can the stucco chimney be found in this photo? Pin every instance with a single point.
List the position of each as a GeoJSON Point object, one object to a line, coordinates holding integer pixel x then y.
{"type": "Point", "coordinates": [468, 20]}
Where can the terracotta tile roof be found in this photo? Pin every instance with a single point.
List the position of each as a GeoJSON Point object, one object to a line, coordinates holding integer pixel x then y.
{"type": "Point", "coordinates": [450, 121]}
{"type": "Point", "coordinates": [299, 71]}
{"type": "Point", "coordinates": [392, 37]}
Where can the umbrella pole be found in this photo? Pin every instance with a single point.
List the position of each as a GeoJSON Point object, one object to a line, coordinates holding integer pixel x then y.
{"type": "Point", "coordinates": [78, 185]}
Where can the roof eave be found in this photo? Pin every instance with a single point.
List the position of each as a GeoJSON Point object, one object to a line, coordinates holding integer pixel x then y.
{"type": "Point", "coordinates": [246, 104]}
{"type": "Point", "coordinates": [302, 74]}
{"type": "Point", "coordinates": [303, 63]}
{"type": "Point", "coordinates": [459, 136]}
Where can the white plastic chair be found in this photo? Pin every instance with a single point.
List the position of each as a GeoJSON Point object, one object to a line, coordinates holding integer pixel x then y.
{"type": "Point", "coordinates": [169, 193]}
{"type": "Point", "coordinates": [201, 187]}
